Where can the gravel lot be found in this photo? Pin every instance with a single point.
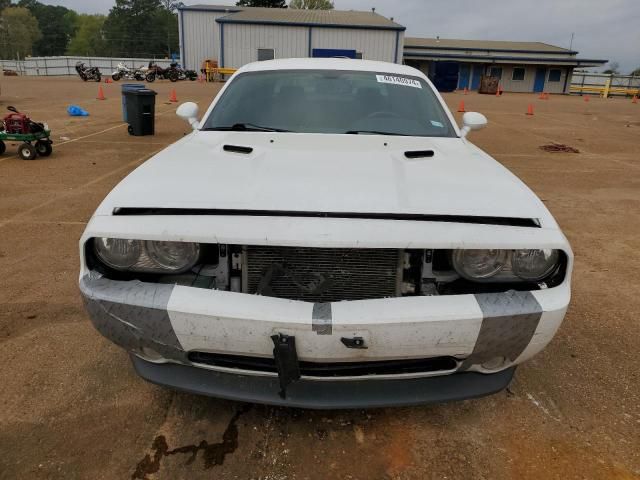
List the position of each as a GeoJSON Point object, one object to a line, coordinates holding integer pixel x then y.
{"type": "Point", "coordinates": [72, 407]}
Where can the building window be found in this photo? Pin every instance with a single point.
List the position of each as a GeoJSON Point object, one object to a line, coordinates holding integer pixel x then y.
{"type": "Point", "coordinates": [359, 56]}
{"type": "Point", "coordinates": [555, 74]}
{"type": "Point", "coordinates": [495, 72]}
{"type": "Point", "coordinates": [266, 54]}
{"type": "Point", "coordinates": [518, 74]}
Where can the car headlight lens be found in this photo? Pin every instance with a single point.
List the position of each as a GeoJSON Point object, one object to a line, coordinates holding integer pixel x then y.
{"type": "Point", "coordinates": [479, 264]}
{"type": "Point", "coordinates": [174, 256]}
{"type": "Point", "coordinates": [534, 265]}
{"type": "Point", "coordinates": [118, 253]}
{"type": "Point", "coordinates": [146, 256]}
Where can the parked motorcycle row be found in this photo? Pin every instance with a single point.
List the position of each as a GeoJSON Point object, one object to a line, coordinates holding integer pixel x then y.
{"type": "Point", "coordinates": [149, 73]}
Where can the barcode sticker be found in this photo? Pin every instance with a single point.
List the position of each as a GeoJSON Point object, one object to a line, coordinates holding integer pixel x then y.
{"type": "Point", "coordinates": [392, 79]}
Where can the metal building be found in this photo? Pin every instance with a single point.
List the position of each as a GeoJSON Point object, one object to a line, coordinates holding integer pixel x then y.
{"type": "Point", "coordinates": [519, 66]}
{"type": "Point", "coordinates": [235, 36]}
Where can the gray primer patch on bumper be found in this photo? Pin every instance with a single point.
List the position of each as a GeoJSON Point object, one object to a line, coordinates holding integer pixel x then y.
{"type": "Point", "coordinates": [132, 314]}
{"type": "Point", "coordinates": [509, 322]}
{"type": "Point", "coordinates": [321, 319]}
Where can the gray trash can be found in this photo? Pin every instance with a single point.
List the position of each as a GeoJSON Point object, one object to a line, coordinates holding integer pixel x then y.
{"type": "Point", "coordinates": [141, 111]}
{"type": "Point", "coordinates": [126, 88]}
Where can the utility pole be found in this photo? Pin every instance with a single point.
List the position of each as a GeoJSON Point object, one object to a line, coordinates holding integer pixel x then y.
{"type": "Point", "coordinates": [571, 43]}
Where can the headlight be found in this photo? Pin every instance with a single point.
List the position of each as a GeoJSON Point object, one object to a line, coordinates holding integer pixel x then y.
{"type": "Point", "coordinates": [534, 265]}
{"type": "Point", "coordinates": [118, 253]}
{"type": "Point", "coordinates": [146, 256]}
{"type": "Point", "coordinates": [505, 265]}
{"type": "Point", "coordinates": [479, 264]}
{"type": "Point", "coordinates": [175, 256]}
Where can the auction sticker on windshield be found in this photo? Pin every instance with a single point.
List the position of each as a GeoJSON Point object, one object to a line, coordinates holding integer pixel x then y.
{"type": "Point", "coordinates": [392, 79]}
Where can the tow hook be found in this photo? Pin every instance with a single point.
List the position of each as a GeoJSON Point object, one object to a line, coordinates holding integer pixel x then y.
{"type": "Point", "coordinates": [355, 342]}
{"type": "Point", "coordinates": [286, 358]}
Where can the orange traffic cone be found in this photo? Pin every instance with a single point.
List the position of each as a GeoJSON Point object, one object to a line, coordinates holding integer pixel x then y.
{"type": "Point", "coordinates": [530, 109]}
{"type": "Point", "coordinates": [501, 90]}
{"type": "Point", "coordinates": [635, 99]}
{"type": "Point", "coordinates": [461, 107]}
{"type": "Point", "coordinates": [173, 98]}
{"type": "Point", "coordinates": [586, 98]}
{"type": "Point", "coordinates": [498, 92]}
{"type": "Point", "coordinates": [101, 94]}
{"type": "Point", "coordinates": [541, 97]}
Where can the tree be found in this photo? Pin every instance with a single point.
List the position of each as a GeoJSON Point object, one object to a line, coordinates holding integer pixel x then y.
{"type": "Point", "coordinates": [262, 3]}
{"type": "Point", "coordinates": [614, 68]}
{"type": "Point", "coordinates": [88, 40]}
{"type": "Point", "coordinates": [312, 4]}
{"type": "Point", "coordinates": [170, 5]}
{"type": "Point", "coordinates": [4, 4]}
{"type": "Point", "coordinates": [141, 28]}
{"type": "Point", "coordinates": [56, 25]}
{"type": "Point", "coordinates": [18, 32]}
{"type": "Point", "coordinates": [636, 72]}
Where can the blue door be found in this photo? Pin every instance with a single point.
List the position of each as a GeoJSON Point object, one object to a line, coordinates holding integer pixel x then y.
{"type": "Point", "coordinates": [333, 53]}
{"type": "Point", "coordinates": [538, 84]}
{"type": "Point", "coordinates": [477, 76]}
{"type": "Point", "coordinates": [463, 77]}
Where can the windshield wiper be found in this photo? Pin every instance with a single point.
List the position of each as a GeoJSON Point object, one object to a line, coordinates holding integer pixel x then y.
{"type": "Point", "coordinates": [374, 132]}
{"type": "Point", "coordinates": [245, 127]}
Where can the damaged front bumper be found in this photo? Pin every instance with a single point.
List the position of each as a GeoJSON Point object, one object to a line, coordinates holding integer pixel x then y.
{"type": "Point", "coordinates": [486, 335]}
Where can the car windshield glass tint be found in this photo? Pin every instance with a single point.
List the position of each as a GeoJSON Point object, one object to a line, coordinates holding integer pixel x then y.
{"type": "Point", "coordinates": [336, 102]}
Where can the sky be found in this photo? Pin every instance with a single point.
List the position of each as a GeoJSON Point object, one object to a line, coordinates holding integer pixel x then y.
{"type": "Point", "coordinates": [602, 30]}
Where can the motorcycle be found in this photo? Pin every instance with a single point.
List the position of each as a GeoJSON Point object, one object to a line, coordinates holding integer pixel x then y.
{"type": "Point", "coordinates": [173, 73]}
{"type": "Point", "coordinates": [88, 73]}
{"type": "Point", "coordinates": [122, 71]}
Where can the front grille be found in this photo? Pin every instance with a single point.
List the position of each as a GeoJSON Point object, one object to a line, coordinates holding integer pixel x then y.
{"type": "Point", "coordinates": [322, 274]}
{"type": "Point", "coordinates": [324, 370]}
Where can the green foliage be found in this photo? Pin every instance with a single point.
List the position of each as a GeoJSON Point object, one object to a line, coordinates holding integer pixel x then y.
{"type": "Point", "coordinates": [4, 4]}
{"type": "Point", "coordinates": [18, 32]}
{"type": "Point", "coordinates": [56, 25]}
{"type": "Point", "coordinates": [140, 28]}
{"type": "Point", "coordinates": [636, 72]}
{"type": "Point", "coordinates": [312, 4]}
{"type": "Point", "coordinates": [262, 3]}
{"type": "Point", "coordinates": [88, 38]}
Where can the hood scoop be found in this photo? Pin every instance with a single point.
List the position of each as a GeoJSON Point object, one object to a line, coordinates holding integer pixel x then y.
{"type": "Point", "coordinates": [237, 149]}
{"type": "Point", "coordinates": [415, 154]}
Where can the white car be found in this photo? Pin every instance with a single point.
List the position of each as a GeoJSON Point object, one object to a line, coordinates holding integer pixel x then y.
{"type": "Point", "coordinates": [326, 237]}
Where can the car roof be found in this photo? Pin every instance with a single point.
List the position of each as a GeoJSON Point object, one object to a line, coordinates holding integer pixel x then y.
{"type": "Point", "coordinates": [330, 64]}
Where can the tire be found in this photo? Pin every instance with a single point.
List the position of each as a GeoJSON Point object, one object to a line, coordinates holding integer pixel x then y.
{"type": "Point", "coordinates": [98, 77]}
{"type": "Point", "coordinates": [174, 76]}
{"type": "Point", "coordinates": [27, 151]}
{"type": "Point", "coordinates": [84, 78]}
{"type": "Point", "coordinates": [130, 130]}
{"type": "Point", "coordinates": [150, 78]}
{"type": "Point", "coordinates": [3, 147]}
{"type": "Point", "coordinates": [115, 77]}
{"type": "Point", "coordinates": [44, 148]}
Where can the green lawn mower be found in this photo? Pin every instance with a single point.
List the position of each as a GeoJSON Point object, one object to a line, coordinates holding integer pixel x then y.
{"type": "Point", "coordinates": [33, 137]}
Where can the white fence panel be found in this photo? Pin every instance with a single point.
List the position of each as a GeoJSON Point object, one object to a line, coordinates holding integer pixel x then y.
{"type": "Point", "coordinates": [47, 66]}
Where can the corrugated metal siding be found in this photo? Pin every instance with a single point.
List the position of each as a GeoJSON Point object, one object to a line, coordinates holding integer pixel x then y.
{"type": "Point", "coordinates": [374, 44]}
{"type": "Point", "coordinates": [483, 53]}
{"type": "Point", "coordinates": [201, 35]}
{"type": "Point", "coordinates": [241, 42]}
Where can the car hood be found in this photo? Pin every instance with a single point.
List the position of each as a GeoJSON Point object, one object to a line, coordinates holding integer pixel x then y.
{"type": "Point", "coordinates": [327, 173]}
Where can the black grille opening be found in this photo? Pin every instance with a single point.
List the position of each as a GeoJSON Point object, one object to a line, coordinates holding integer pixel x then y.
{"type": "Point", "coordinates": [338, 369]}
{"type": "Point", "coordinates": [322, 274]}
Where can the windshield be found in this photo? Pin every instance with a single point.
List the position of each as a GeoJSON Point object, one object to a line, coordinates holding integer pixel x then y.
{"type": "Point", "coordinates": [330, 101]}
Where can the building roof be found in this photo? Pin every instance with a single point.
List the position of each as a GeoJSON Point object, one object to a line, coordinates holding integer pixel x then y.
{"type": "Point", "coordinates": [290, 16]}
{"type": "Point", "coordinates": [488, 45]}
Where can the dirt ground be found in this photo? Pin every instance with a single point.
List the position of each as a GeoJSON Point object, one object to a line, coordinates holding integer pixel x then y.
{"type": "Point", "coordinates": [71, 406]}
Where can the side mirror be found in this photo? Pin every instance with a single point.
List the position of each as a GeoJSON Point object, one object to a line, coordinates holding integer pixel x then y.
{"type": "Point", "coordinates": [472, 121]}
{"type": "Point", "coordinates": [189, 111]}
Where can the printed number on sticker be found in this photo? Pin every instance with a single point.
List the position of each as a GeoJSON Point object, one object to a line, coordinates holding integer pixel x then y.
{"type": "Point", "coordinates": [407, 82]}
